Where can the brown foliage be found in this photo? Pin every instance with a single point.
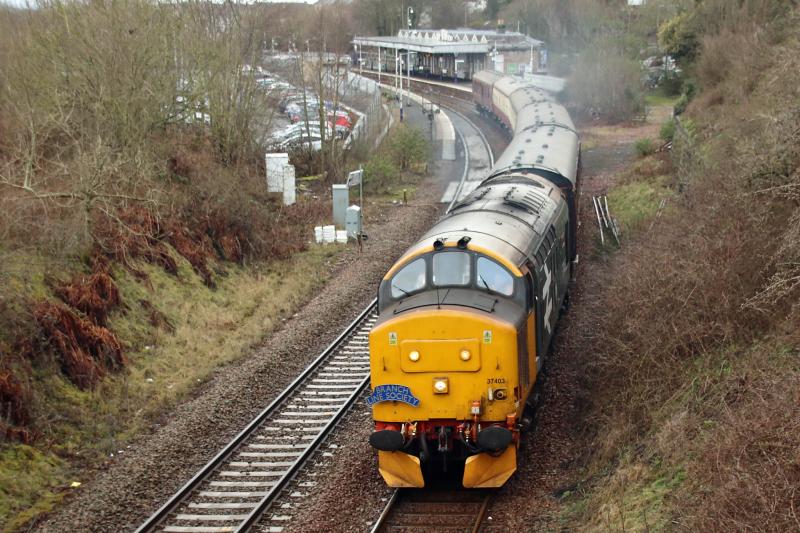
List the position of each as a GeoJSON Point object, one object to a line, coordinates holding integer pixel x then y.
{"type": "Point", "coordinates": [157, 318]}
{"type": "Point", "coordinates": [15, 398]}
{"type": "Point", "coordinates": [714, 280]}
{"type": "Point", "coordinates": [749, 473]}
{"type": "Point", "coordinates": [94, 295]}
{"type": "Point", "coordinates": [87, 351]}
{"type": "Point", "coordinates": [136, 235]}
{"type": "Point", "coordinates": [676, 293]}
{"type": "Point", "coordinates": [193, 247]}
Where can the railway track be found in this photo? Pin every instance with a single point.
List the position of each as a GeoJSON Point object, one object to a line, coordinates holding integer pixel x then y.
{"type": "Point", "coordinates": [422, 86]}
{"type": "Point", "coordinates": [478, 156]}
{"type": "Point", "coordinates": [479, 149]}
{"type": "Point", "coordinates": [434, 510]}
{"type": "Point", "coordinates": [250, 481]}
{"type": "Point", "coordinates": [234, 489]}
{"type": "Point", "coordinates": [457, 98]}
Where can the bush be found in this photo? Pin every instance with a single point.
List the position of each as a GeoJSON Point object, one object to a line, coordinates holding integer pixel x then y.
{"type": "Point", "coordinates": [667, 130]}
{"type": "Point", "coordinates": [687, 95]}
{"type": "Point", "coordinates": [645, 147]}
{"type": "Point", "coordinates": [694, 327]}
{"type": "Point", "coordinates": [408, 147]}
{"type": "Point", "coordinates": [678, 36]}
{"type": "Point", "coordinates": [379, 172]}
{"type": "Point", "coordinates": [85, 141]}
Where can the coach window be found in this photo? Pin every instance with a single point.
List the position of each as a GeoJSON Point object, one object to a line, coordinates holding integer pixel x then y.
{"type": "Point", "coordinates": [451, 268]}
{"type": "Point", "coordinates": [494, 277]}
{"type": "Point", "coordinates": [410, 278]}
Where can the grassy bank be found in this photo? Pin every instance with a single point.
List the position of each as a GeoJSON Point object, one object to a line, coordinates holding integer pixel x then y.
{"type": "Point", "coordinates": [692, 354]}
{"type": "Point", "coordinates": [176, 331]}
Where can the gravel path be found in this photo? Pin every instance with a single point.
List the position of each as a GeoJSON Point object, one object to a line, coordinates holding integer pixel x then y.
{"type": "Point", "coordinates": [129, 487]}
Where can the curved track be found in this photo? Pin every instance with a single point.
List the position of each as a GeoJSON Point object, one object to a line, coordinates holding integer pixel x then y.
{"type": "Point", "coordinates": [254, 472]}
{"type": "Point", "coordinates": [478, 157]}
{"type": "Point", "coordinates": [235, 488]}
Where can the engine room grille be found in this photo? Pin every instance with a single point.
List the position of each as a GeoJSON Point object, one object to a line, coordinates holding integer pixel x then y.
{"type": "Point", "coordinates": [530, 201]}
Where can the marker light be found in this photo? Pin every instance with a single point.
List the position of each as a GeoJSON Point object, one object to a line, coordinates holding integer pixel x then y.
{"type": "Point", "coordinates": [414, 356]}
{"type": "Point", "coordinates": [440, 385]}
{"type": "Point", "coordinates": [465, 355]}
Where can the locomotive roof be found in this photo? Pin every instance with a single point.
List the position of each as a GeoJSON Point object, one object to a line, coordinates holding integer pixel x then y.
{"type": "Point", "coordinates": [506, 219]}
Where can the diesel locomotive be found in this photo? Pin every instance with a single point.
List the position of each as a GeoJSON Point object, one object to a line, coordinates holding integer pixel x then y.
{"type": "Point", "coordinates": [467, 314]}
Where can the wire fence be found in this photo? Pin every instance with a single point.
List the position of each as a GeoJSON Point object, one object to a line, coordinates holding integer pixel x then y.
{"type": "Point", "coordinates": [364, 95]}
{"type": "Point", "coordinates": [685, 154]}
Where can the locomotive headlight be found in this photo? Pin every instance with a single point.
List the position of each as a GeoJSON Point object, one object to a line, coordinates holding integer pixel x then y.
{"type": "Point", "coordinates": [414, 356]}
{"type": "Point", "coordinates": [440, 385]}
{"type": "Point", "coordinates": [465, 355]}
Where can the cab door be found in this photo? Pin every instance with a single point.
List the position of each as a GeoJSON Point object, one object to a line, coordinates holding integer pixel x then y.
{"type": "Point", "coordinates": [533, 360]}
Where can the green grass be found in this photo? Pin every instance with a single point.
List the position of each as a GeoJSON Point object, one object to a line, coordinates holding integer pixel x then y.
{"type": "Point", "coordinates": [212, 327]}
{"type": "Point", "coordinates": [641, 489]}
{"type": "Point", "coordinates": [631, 498]}
{"type": "Point", "coordinates": [658, 99]}
{"type": "Point", "coordinates": [31, 482]}
{"type": "Point", "coordinates": [633, 203]}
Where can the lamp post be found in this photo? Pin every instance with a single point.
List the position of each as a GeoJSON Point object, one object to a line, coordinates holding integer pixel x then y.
{"type": "Point", "coordinates": [408, 73]}
{"type": "Point", "coordinates": [400, 78]}
{"type": "Point", "coordinates": [360, 61]}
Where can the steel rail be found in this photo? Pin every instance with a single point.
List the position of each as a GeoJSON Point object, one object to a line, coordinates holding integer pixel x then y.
{"type": "Point", "coordinates": [480, 133]}
{"type": "Point", "coordinates": [265, 502]}
{"type": "Point", "coordinates": [384, 519]}
{"type": "Point", "coordinates": [466, 153]}
{"type": "Point", "coordinates": [482, 512]}
{"type": "Point", "coordinates": [176, 499]}
{"type": "Point", "coordinates": [463, 175]}
{"type": "Point", "coordinates": [385, 513]}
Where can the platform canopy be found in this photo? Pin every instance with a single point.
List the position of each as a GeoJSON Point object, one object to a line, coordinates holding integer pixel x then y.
{"type": "Point", "coordinates": [451, 41]}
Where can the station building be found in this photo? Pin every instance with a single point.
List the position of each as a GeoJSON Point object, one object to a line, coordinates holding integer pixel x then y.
{"type": "Point", "coordinates": [452, 54]}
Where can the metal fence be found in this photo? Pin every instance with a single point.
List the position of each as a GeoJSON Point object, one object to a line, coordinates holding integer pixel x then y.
{"type": "Point", "coordinates": [685, 155]}
{"type": "Point", "coordinates": [364, 96]}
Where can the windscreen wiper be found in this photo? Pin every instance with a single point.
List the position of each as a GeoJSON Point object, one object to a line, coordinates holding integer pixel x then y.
{"type": "Point", "coordinates": [401, 289]}
{"type": "Point", "coordinates": [480, 278]}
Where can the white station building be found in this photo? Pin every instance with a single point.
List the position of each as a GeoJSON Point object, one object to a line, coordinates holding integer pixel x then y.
{"type": "Point", "coordinates": [452, 54]}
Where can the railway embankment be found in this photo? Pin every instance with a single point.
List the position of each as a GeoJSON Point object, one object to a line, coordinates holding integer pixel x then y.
{"type": "Point", "coordinates": [122, 490]}
{"type": "Point", "coordinates": [684, 347]}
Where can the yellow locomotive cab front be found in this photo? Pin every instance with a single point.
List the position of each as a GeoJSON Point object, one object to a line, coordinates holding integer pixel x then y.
{"type": "Point", "coordinates": [458, 370]}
